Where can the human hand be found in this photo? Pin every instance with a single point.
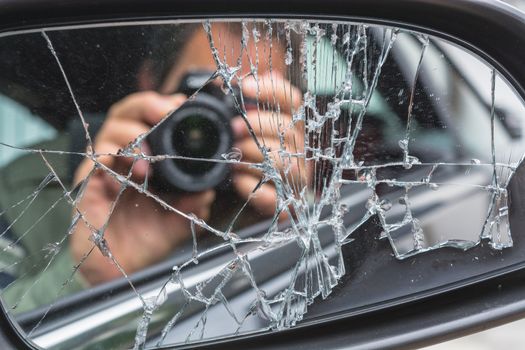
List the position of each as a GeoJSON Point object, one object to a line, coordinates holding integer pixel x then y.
{"type": "Point", "coordinates": [140, 231]}
{"type": "Point", "coordinates": [273, 128]}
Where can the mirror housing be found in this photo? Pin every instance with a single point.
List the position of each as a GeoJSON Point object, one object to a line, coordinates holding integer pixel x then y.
{"type": "Point", "coordinates": [406, 324]}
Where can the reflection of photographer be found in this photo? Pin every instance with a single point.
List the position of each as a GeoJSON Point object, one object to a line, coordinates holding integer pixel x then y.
{"type": "Point", "coordinates": [140, 231]}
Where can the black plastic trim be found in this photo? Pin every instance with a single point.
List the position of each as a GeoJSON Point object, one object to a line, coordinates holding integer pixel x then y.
{"type": "Point", "coordinates": [412, 325]}
{"type": "Point", "coordinates": [488, 27]}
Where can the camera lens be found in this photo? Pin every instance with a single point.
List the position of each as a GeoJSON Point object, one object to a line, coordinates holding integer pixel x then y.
{"type": "Point", "coordinates": [196, 137]}
{"type": "Point", "coordinates": [199, 130]}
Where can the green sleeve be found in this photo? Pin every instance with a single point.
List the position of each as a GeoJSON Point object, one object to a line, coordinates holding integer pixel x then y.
{"type": "Point", "coordinates": [32, 291]}
{"type": "Point", "coordinates": [38, 223]}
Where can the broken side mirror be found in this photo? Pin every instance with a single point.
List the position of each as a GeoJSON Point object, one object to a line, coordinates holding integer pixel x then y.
{"type": "Point", "coordinates": [219, 181]}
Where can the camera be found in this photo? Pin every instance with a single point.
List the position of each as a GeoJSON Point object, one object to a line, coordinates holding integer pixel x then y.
{"type": "Point", "coordinates": [199, 129]}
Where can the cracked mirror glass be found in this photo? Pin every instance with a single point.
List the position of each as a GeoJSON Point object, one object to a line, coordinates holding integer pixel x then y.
{"type": "Point", "coordinates": [178, 182]}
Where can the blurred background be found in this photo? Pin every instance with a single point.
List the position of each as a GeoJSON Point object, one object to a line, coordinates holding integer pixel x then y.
{"type": "Point", "coordinates": [509, 336]}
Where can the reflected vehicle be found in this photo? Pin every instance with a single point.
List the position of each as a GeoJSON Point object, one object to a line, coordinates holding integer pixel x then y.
{"type": "Point", "coordinates": [230, 177]}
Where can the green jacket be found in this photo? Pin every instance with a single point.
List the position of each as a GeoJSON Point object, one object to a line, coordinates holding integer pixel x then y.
{"type": "Point", "coordinates": [34, 249]}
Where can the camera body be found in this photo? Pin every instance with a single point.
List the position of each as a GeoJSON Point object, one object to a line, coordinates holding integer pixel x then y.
{"type": "Point", "coordinates": [199, 129]}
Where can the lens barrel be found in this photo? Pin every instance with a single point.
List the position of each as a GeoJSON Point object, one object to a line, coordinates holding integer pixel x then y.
{"type": "Point", "coordinates": [193, 136]}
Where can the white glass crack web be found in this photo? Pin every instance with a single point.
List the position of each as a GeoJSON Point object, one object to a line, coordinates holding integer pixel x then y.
{"type": "Point", "coordinates": [312, 132]}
